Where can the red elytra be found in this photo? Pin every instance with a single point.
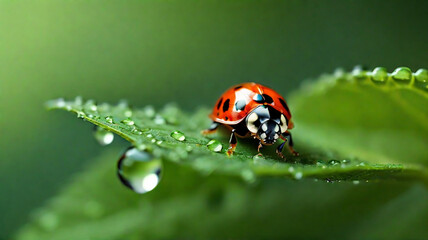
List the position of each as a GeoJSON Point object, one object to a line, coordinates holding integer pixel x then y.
{"type": "Point", "coordinates": [226, 112]}
{"type": "Point", "coordinates": [251, 109]}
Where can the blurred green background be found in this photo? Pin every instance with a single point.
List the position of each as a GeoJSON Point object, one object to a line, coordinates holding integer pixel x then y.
{"type": "Point", "coordinates": [155, 52]}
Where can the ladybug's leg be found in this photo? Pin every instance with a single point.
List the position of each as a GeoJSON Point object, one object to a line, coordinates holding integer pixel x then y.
{"type": "Point", "coordinates": [286, 136]}
{"type": "Point", "coordinates": [279, 149]}
{"type": "Point", "coordinates": [260, 146]}
{"type": "Point", "coordinates": [232, 143]}
{"type": "Point", "coordinates": [212, 129]}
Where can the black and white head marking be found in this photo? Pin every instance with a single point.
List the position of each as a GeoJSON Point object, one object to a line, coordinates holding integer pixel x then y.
{"type": "Point", "coordinates": [267, 123]}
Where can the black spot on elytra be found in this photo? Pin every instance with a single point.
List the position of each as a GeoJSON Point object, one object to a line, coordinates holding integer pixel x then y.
{"type": "Point", "coordinates": [238, 87]}
{"type": "Point", "coordinates": [219, 103]}
{"type": "Point", "coordinates": [226, 105]}
{"type": "Point", "coordinates": [284, 104]}
{"type": "Point", "coordinates": [240, 105]}
{"type": "Point", "coordinates": [226, 118]}
{"type": "Point", "coordinates": [267, 98]}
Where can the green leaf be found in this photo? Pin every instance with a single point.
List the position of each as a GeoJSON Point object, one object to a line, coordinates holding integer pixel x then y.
{"type": "Point", "coordinates": [358, 115]}
{"type": "Point", "coordinates": [188, 205]}
{"type": "Point", "coordinates": [157, 132]}
{"type": "Point", "coordinates": [201, 195]}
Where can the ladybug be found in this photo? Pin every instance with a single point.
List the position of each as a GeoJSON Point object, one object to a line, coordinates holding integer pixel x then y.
{"type": "Point", "coordinates": [253, 110]}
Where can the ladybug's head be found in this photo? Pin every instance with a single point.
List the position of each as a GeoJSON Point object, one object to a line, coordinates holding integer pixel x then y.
{"type": "Point", "coordinates": [266, 123]}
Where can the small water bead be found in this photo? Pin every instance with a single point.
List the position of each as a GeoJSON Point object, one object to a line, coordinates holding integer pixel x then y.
{"type": "Point", "coordinates": [359, 73]}
{"type": "Point", "coordinates": [214, 145]}
{"type": "Point", "coordinates": [109, 119]}
{"type": "Point", "coordinates": [379, 75]}
{"type": "Point", "coordinates": [153, 140]}
{"type": "Point", "coordinates": [149, 111]}
{"type": "Point", "coordinates": [320, 163]}
{"type": "Point", "coordinates": [149, 135]}
{"type": "Point", "coordinates": [159, 142]}
{"type": "Point", "coordinates": [291, 169]}
{"type": "Point", "coordinates": [171, 113]}
{"type": "Point", "coordinates": [139, 170]}
{"type": "Point", "coordinates": [339, 73]}
{"type": "Point", "coordinates": [81, 114]}
{"type": "Point", "coordinates": [402, 74]}
{"type": "Point", "coordinates": [90, 105]}
{"type": "Point", "coordinates": [333, 162]}
{"type": "Point", "coordinates": [188, 148]}
{"type": "Point", "coordinates": [128, 122]}
{"type": "Point", "coordinates": [103, 136]}
{"type": "Point", "coordinates": [78, 101]}
{"type": "Point", "coordinates": [179, 136]}
{"type": "Point", "coordinates": [248, 175]}
{"type": "Point", "coordinates": [298, 175]}
{"type": "Point", "coordinates": [421, 75]}
{"type": "Point", "coordinates": [128, 113]}
{"type": "Point", "coordinates": [60, 103]}
{"type": "Point", "coordinates": [346, 161]}
{"type": "Point", "coordinates": [136, 131]}
{"type": "Point", "coordinates": [257, 158]}
{"type": "Point", "coordinates": [142, 147]}
{"type": "Point", "coordinates": [159, 120]}
{"type": "Point", "coordinates": [355, 182]}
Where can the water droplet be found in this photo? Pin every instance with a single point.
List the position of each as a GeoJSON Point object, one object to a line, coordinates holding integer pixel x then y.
{"type": "Point", "coordinates": [320, 163]}
{"type": "Point", "coordinates": [402, 74]}
{"type": "Point", "coordinates": [298, 175]}
{"type": "Point", "coordinates": [142, 147]}
{"type": "Point", "coordinates": [90, 105]}
{"type": "Point", "coordinates": [359, 73]}
{"type": "Point", "coordinates": [257, 158]}
{"type": "Point", "coordinates": [339, 73]}
{"type": "Point", "coordinates": [128, 122]}
{"type": "Point", "coordinates": [356, 182]}
{"type": "Point", "coordinates": [149, 135]}
{"type": "Point", "coordinates": [179, 136]}
{"type": "Point", "coordinates": [379, 75]}
{"type": "Point", "coordinates": [109, 119]}
{"type": "Point", "coordinates": [153, 140]}
{"type": "Point", "coordinates": [128, 113]}
{"type": "Point", "coordinates": [421, 75]}
{"type": "Point", "coordinates": [149, 111]}
{"type": "Point", "coordinates": [214, 145]}
{"type": "Point", "coordinates": [291, 169]}
{"type": "Point", "coordinates": [159, 120]}
{"type": "Point", "coordinates": [78, 100]}
{"type": "Point", "coordinates": [159, 142]}
{"type": "Point", "coordinates": [136, 131]}
{"type": "Point", "coordinates": [139, 170]}
{"type": "Point", "coordinates": [103, 136]}
{"type": "Point", "coordinates": [60, 102]}
{"type": "Point", "coordinates": [189, 148]}
{"type": "Point", "coordinates": [346, 161]}
{"type": "Point", "coordinates": [81, 114]}
{"type": "Point", "coordinates": [333, 162]}
{"type": "Point", "coordinates": [248, 175]}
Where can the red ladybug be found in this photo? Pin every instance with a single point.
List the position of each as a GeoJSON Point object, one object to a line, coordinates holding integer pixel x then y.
{"type": "Point", "coordinates": [251, 109]}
